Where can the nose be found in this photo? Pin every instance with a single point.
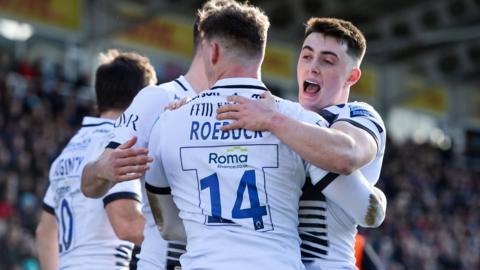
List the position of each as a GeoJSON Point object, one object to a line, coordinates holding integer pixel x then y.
{"type": "Point", "coordinates": [315, 67]}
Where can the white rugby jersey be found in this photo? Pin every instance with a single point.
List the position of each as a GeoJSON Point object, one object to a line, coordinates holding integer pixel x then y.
{"type": "Point", "coordinates": [327, 231]}
{"type": "Point", "coordinates": [138, 120]}
{"type": "Point", "coordinates": [237, 191]}
{"type": "Point", "coordinates": [85, 235]}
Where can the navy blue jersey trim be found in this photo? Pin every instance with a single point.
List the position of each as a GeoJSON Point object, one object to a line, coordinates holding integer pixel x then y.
{"type": "Point", "coordinates": [98, 124]}
{"type": "Point", "coordinates": [241, 86]}
{"type": "Point", "coordinates": [158, 190]}
{"type": "Point", "coordinates": [122, 264]}
{"type": "Point", "coordinates": [181, 85]}
{"type": "Point", "coordinates": [120, 256]}
{"type": "Point", "coordinates": [172, 264]}
{"type": "Point", "coordinates": [329, 116]}
{"type": "Point", "coordinates": [48, 209]}
{"type": "Point", "coordinates": [313, 239]}
{"type": "Point", "coordinates": [177, 246]}
{"type": "Point", "coordinates": [313, 249]}
{"type": "Point", "coordinates": [112, 145]}
{"type": "Point", "coordinates": [119, 249]}
{"type": "Point", "coordinates": [173, 254]}
{"type": "Point", "coordinates": [121, 195]}
{"type": "Point", "coordinates": [304, 226]}
{"type": "Point", "coordinates": [326, 180]}
{"type": "Point", "coordinates": [322, 217]}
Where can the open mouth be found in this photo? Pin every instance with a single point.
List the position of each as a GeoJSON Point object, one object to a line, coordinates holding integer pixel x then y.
{"type": "Point", "coordinates": [310, 87]}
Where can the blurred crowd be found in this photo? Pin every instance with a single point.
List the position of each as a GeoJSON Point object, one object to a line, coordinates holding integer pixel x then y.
{"type": "Point", "coordinates": [39, 111]}
{"type": "Point", "coordinates": [433, 218]}
{"type": "Point", "coordinates": [432, 221]}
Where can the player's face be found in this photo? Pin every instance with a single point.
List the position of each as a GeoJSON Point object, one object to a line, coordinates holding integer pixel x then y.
{"type": "Point", "coordinates": [324, 72]}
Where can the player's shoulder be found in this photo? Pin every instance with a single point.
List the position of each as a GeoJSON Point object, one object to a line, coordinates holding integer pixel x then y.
{"type": "Point", "coordinates": [152, 93]}
{"type": "Point", "coordinates": [353, 109]}
{"type": "Point", "coordinates": [286, 106]}
{"type": "Point", "coordinates": [363, 109]}
{"type": "Point", "coordinates": [296, 111]}
{"type": "Point", "coordinates": [177, 88]}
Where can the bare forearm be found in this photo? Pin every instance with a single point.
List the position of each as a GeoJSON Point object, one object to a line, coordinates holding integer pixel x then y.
{"type": "Point", "coordinates": [137, 226]}
{"type": "Point", "coordinates": [132, 229]}
{"type": "Point", "coordinates": [47, 253]}
{"type": "Point", "coordinates": [127, 219]}
{"type": "Point", "coordinates": [166, 217]}
{"type": "Point", "coordinates": [92, 185]}
{"type": "Point", "coordinates": [323, 147]}
{"type": "Point", "coordinates": [46, 242]}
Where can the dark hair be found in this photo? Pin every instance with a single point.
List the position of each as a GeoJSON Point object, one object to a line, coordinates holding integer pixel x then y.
{"type": "Point", "coordinates": [342, 30]}
{"type": "Point", "coordinates": [207, 6]}
{"type": "Point", "coordinates": [241, 26]}
{"type": "Point", "coordinates": [120, 76]}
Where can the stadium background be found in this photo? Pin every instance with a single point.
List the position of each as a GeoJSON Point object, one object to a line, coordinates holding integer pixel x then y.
{"type": "Point", "coordinates": [421, 72]}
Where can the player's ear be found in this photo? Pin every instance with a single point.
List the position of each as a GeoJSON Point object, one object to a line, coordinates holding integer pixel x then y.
{"type": "Point", "coordinates": [214, 52]}
{"type": "Point", "coordinates": [354, 76]}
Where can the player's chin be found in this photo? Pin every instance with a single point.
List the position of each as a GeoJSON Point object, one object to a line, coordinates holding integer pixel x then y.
{"type": "Point", "coordinates": [307, 102]}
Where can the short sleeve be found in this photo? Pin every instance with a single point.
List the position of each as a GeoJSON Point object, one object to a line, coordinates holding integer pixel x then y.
{"type": "Point", "coordinates": [155, 178]}
{"type": "Point", "coordinates": [364, 116]}
{"type": "Point", "coordinates": [48, 201]}
{"type": "Point", "coordinates": [139, 117]}
{"type": "Point", "coordinates": [124, 190]}
{"type": "Point", "coordinates": [297, 112]}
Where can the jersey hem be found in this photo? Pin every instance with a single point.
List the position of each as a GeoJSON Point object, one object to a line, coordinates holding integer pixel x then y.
{"type": "Point", "coordinates": [48, 209]}
{"type": "Point", "coordinates": [120, 195]}
{"type": "Point", "coordinates": [158, 190]}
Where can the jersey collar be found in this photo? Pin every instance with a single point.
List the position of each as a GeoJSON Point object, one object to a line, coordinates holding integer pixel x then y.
{"type": "Point", "coordinates": [185, 85]}
{"type": "Point", "coordinates": [248, 83]}
{"type": "Point", "coordinates": [89, 121]}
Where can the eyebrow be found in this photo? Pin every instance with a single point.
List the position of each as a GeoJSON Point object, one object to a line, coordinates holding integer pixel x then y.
{"type": "Point", "coordinates": [306, 47]}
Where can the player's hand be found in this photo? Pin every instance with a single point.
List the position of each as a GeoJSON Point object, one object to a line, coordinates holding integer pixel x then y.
{"type": "Point", "coordinates": [124, 163]}
{"type": "Point", "coordinates": [176, 104]}
{"type": "Point", "coordinates": [247, 113]}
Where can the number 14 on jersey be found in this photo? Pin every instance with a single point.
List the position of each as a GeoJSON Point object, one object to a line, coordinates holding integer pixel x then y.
{"type": "Point", "coordinates": [232, 192]}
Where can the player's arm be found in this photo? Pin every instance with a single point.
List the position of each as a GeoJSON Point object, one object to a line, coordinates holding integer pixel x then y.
{"type": "Point", "coordinates": [164, 210]}
{"type": "Point", "coordinates": [166, 214]}
{"type": "Point", "coordinates": [125, 213]}
{"type": "Point", "coordinates": [123, 160]}
{"type": "Point", "coordinates": [47, 240]}
{"type": "Point", "coordinates": [363, 202]}
{"type": "Point", "coordinates": [123, 163]}
{"type": "Point", "coordinates": [342, 148]}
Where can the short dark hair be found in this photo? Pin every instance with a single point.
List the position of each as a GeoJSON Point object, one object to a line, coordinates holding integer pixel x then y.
{"type": "Point", "coordinates": [209, 5]}
{"type": "Point", "coordinates": [120, 76]}
{"type": "Point", "coordinates": [243, 26]}
{"type": "Point", "coordinates": [342, 30]}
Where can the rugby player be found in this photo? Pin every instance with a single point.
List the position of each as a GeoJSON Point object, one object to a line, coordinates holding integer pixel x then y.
{"type": "Point", "coordinates": [329, 64]}
{"type": "Point", "coordinates": [237, 191]}
{"type": "Point", "coordinates": [125, 158]}
{"type": "Point", "coordinates": [76, 232]}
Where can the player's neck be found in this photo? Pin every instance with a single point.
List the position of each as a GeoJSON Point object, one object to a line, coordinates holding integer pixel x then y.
{"type": "Point", "coordinates": [196, 75]}
{"type": "Point", "coordinates": [111, 114]}
{"type": "Point", "coordinates": [238, 72]}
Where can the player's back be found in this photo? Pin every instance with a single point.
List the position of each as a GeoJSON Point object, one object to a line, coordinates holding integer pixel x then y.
{"type": "Point", "coordinates": [137, 120]}
{"type": "Point", "coordinates": [86, 237]}
{"type": "Point", "coordinates": [327, 231]}
{"type": "Point", "coordinates": [237, 191]}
